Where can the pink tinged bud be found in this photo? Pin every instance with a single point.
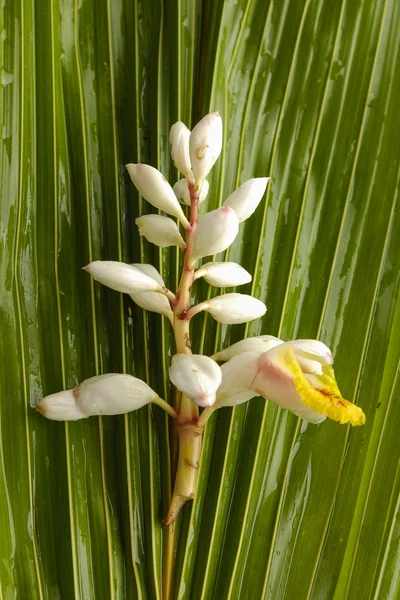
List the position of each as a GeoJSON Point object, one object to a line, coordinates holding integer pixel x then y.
{"type": "Point", "coordinates": [156, 190]}
{"type": "Point", "coordinates": [237, 377]}
{"type": "Point", "coordinates": [197, 376]}
{"type": "Point", "coordinates": [110, 394]}
{"type": "Point", "coordinates": [61, 406]}
{"type": "Point", "coordinates": [181, 191]}
{"type": "Point", "coordinates": [205, 145]}
{"type": "Point", "coordinates": [216, 231]}
{"type": "Point", "coordinates": [113, 394]}
{"type": "Point", "coordinates": [232, 309]}
{"type": "Point", "coordinates": [247, 197]}
{"type": "Point", "coordinates": [223, 274]}
{"type": "Point", "coordinates": [261, 343]}
{"type": "Point", "coordinates": [161, 231]}
{"type": "Point", "coordinates": [179, 136]}
{"type": "Point", "coordinates": [152, 301]}
{"type": "Point", "coordinates": [121, 277]}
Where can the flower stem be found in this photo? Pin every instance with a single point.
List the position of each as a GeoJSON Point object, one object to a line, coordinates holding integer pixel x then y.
{"type": "Point", "coordinates": [189, 434]}
{"type": "Point", "coordinates": [190, 437]}
{"type": "Point", "coordinates": [198, 308]}
{"type": "Point", "coordinates": [167, 407]}
{"type": "Point", "coordinates": [205, 415]}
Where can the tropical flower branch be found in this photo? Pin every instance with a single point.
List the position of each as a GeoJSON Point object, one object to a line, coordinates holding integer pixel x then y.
{"type": "Point", "coordinates": [296, 375]}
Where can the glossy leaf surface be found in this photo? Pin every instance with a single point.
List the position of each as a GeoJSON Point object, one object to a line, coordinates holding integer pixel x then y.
{"type": "Point", "coordinates": [308, 92]}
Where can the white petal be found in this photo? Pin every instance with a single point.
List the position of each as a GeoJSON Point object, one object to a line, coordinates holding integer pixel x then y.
{"type": "Point", "coordinates": [308, 366]}
{"type": "Point", "coordinates": [274, 379]}
{"type": "Point", "coordinates": [236, 398]}
{"type": "Point", "coordinates": [308, 414]}
{"type": "Point", "coordinates": [156, 190]}
{"type": "Point", "coordinates": [113, 394]}
{"type": "Point", "coordinates": [216, 231]}
{"type": "Point", "coordinates": [205, 145]}
{"type": "Point", "coordinates": [121, 277]}
{"type": "Point", "coordinates": [181, 191]}
{"type": "Point", "coordinates": [179, 136]}
{"type": "Point", "coordinates": [152, 301]}
{"type": "Point", "coordinates": [247, 197]}
{"type": "Point", "coordinates": [315, 348]}
{"type": "Point", "coordinates": [150, 271]}
{"type": "Point", "coordinates": [197, 376]}
{"type": "Point", "coordinates": [161, 231]}
{"type": "Point", "coordinates": [61, 406]}
{"type": "Point", "coordinates": [237, 377]}
{"type": "Point", "coordinates": [236, 308]}
{"type": "Point", "coordinates": [223, 274]}
{"type": "Point", "coordinates": [261, 343]}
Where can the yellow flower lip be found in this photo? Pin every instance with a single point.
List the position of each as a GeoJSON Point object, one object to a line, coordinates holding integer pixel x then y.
{"type": "Point", "coordinates": [326, 398]}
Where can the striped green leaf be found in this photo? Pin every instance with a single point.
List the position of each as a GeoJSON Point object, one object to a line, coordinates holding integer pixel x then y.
{"type": "Point", "coordinates": [308, 91]}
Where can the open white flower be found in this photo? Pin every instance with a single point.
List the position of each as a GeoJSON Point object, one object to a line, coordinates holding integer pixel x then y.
{"type": "Point", "coordinates": [159, 230]}
{"type": "Point", "coordinates": [205, 145]}
{"type": "Point", "coordinates": [122, 277]}
{"type": "Point", "coordinates": [247, 197]}
{"type": "Point", "coordinates": [110, 394]}
{"type": "Point", "coordinates": [302, 380]}
{"type": "Point", "coordinates": [216, 231]}
{"type": "Point", "coordinates": [152, 301]}
{"type": "Point", "coordinates": [181, 190]}
{"type": "Point", "coordinates": [197, 376]}
{"type": "Point", "coordinates": [223, 274]}
{"type": "Point", "coordinates": [156, 190]}
{"type": "Point", "coordinates": [179, 136]}
{"type": "Point", "coordinates": [297, 379]}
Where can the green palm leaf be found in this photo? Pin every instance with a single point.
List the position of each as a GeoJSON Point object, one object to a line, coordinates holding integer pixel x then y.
{"type": "Point", "coordinates": [308, 93]}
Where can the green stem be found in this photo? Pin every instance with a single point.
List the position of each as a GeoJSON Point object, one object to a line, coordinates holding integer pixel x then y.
{"type": "Point", "coordinates": [205, 415]}
{"type": "Point", "coordinates": [190, 437]}
{"type": "Point", "coordinates": [167, 407]}
{"type": "Point", "coordinates": [186, 457]}
{"type": "Point", "coordinates": [198, 308]}
{"type": "Point", "coordinates": [189, 434]}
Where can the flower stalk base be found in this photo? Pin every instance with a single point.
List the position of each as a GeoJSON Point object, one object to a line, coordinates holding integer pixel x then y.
{"type": "Point", "coordinates": [190, 440]}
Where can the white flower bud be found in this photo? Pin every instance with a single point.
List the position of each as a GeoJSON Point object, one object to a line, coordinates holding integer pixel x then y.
{"type": "Point", "coordinates": [237, 377]}
{"type": "Point", "coordinates": [223, 274]}
{"type": "Point", "coordinates": [110, 394]}
{"type": "Point", "coordinates": [181, 190]}
{"type": "Point", "coordinates": [113, 394]}
{"type": "Point", "coordinates": [216, 231]}
{"type": "Point", "coordinates": [205, 145]}
{"type": "Point", "coordinates": [261, 343]}
{"type": "Point", "coordinates": [161, 231]}
{"type": "Point", "coordinates": [61, 406]}
{"type": "Point", "coordinates": [232, 309]}
{"type": "Point", "coordinates": [247, 197]}
{"type": "Point", "coordinates": [197, 376]}
{"type": "Point", "coordinates": [152, 301]}
{"type": "Point", "coordinates": [121, 277]}
{"type": "Point", "coordinates": [156, 190]}
{"type": "Point", "coordinates": [179, 136]}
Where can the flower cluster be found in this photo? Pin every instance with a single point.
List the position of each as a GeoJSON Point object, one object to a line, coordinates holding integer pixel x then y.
{"type": "Point", "coordinates": [296, 375]}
